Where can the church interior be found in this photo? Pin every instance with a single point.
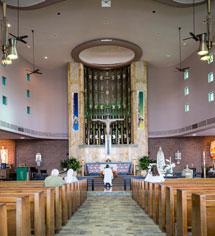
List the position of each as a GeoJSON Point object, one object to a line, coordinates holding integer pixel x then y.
{"type": "Point", "coordinates": [107, 117]}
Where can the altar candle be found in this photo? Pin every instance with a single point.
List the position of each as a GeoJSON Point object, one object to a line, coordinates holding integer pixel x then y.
{"type": "Point", "coordinates": [203, 158]}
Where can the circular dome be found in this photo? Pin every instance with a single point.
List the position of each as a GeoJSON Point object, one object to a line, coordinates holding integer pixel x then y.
{"type": "Point", "coordinates": [188, 1]}
{"type": "Point", "coordinates": [106, 53]}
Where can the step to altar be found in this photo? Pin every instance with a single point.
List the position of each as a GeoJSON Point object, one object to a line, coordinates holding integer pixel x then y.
{"type": "Point", "coordinates": [114, 193]}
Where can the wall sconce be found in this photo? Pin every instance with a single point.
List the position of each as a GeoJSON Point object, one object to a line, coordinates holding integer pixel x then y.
{"type": "Point", "coordinates": [178, 157]}
{"type": "Point", "coordinates": [38, 159]}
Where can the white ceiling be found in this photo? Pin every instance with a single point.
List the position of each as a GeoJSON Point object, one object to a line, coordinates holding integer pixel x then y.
{"type": "Point", "coordinates": [83, 20]}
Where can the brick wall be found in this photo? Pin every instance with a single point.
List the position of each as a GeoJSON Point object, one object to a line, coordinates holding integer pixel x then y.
{"type": "Point", "coordinates": [52, 151]}
{"type": "Point", "coordinates": [191, 149]}
{"type": "Point", "coordinates": [10, 146]}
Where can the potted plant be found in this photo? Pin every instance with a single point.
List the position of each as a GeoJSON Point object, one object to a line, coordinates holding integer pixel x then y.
{"type": "Point", "coordinates": [64, 164]}
{"type": "Point", "coordinates": [144, 164]}
{"type": "Point", "coordinates": [74, 164]}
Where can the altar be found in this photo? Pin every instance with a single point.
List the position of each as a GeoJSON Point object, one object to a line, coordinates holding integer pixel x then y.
{"type": "Point", "coordinates": [120, 168]}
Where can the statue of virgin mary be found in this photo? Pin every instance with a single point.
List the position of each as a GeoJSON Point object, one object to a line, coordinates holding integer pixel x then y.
{"type": "Point", "coordinates": [160, 161]}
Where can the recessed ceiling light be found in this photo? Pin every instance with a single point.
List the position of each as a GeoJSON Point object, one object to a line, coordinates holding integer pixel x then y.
{"type": "Point", "coordinates": [28, 46]}
{"type": "Point", "coordinates": [45, 57]}
{"type": "Point", "coordinates": [168, 55]}
{"type": "Point", "coordinates": [184, 44]}
{"type": "Point", "coordinates": [8, 25]}
{"type": "Point", "coordinates": [194, 134]}
{"type": "Point", "coordinates": [106, 3]}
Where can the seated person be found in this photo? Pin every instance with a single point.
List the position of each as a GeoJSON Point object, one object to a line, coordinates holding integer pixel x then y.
{"type": "Point", "coordinates": [54, 180]}
{"type": "Point", "coordinates": [108, 176]}
{"type": "Point", "coordinates": [70, 177]}
{"type": "Point", "coordinates": [153, 176]}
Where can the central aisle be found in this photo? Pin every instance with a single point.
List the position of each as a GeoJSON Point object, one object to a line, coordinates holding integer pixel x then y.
{"type": "Point", "coordinates": [114, 214]}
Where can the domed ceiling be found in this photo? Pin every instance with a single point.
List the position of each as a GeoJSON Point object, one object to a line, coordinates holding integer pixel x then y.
{"type": "Point", "coordinates": [62, 25]}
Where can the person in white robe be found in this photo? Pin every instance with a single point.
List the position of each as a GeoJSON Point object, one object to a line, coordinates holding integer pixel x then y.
{"type": "Point", "coordinates": [154, 176]}
{"type": "Point", "coordinates": [160, 161]}
{"type": "Point", "coordinates": [108, 176]}
{"type": "Point", "coordinates": [70, 178]}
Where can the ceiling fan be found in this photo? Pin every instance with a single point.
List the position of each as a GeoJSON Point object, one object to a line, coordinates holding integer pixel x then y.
{"type": "Point", "coordinates": [180, 69]}
{"type": "Point", "coordinates": [20, 38]}
{"type": "Point", "coordinates": [35, 70]}
{"type": "Point", "coordinates": [193, 35]}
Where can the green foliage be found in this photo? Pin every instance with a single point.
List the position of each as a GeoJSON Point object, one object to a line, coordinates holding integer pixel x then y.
{"type": "Point", "coordinates": [64, 163]}
{"type": "Point", "coordinates": [144, 162]}
{"type": "Point", "coordinates": [71, 163]}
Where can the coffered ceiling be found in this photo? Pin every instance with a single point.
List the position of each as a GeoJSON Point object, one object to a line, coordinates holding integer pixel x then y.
{"type": "Point", "coordinates": [151, 24]}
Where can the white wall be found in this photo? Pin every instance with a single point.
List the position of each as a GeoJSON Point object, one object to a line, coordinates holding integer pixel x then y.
{"type": "Point", "coordinates": [166, 95]}
{"type": "Point", "coordinates": [48, 101]}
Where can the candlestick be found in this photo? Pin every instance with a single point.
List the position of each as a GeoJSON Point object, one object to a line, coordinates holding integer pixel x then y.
{"type": "Point", "coordinates": [204, 166]}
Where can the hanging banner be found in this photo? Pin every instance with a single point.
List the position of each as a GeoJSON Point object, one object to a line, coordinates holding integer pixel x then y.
{"type": "Point", "coordinates": [140, 109]}
{"type": "Point", "coordinates": [75, 121]}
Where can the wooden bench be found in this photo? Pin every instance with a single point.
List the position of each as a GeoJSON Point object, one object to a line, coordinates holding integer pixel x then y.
{"type": "Point", "coordinates": [18, 215]}
{"type": "Point", "coordinates": [53, 205]}
{"type": "Point", "coordinates": [67, 199]}
{"type": "Point", "coordinates": [184, 208]}
{"type": "Point", "coordinates": [203, 214]}
{"type": "Point", "coordinates": [172, 202]}
{"type": "Point", "coordinates": [3, 221]}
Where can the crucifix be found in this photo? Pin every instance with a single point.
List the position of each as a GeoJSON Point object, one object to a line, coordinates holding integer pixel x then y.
{"type": "Point", "coordinates": [108, 122]}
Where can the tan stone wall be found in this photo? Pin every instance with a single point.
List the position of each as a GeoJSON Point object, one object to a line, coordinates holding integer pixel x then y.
{"type": "Point", "coordinates": [119, 152]}
{"type": "Point", "coordinates": [75, 85]}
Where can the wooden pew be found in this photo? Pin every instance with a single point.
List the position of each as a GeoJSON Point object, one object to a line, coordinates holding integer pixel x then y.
{"type": "Point", "coordinates": [51, 205]}
{"type": "Point", "coordinates": [18, 215]}
{"type": "Point", "coordinates": [184, 208]}
{"type": "Point", "coordinates": [3, 221]}
{"type": "Point", "coordinates": [37, 209]}
{"type": "Point", "coordinates": [172, 202]}
{"type": "Point", "coordinates": [162, 197]}
{"type": "Point", "coordinates": [203, 214]}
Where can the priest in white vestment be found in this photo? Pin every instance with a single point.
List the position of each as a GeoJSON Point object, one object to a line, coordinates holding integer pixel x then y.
{"type": "Point", "coordinates": [108, 175]}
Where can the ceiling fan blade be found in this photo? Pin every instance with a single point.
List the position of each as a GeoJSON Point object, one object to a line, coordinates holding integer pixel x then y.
{"type": "Point", "coordinates": [13, 35]}
{"type": "Point", "coordinates": [23, 36]}
{"type": "Point", "coordinates": [187, 38]}
{"type": "Point", "coordinates": [195, 37]}
{"type": "Point", "coordinates": [21, 40]}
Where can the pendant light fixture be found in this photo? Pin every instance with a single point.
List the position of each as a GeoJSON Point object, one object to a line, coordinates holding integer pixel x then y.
{"type": "Point", "coordinates": [9, 50]}
{"type": "Point", "coordinates": [206, 41]}
{"type": "Point", "coordinates": [203, 45]}
{"type": "Point", "coordinates": [12, 52]}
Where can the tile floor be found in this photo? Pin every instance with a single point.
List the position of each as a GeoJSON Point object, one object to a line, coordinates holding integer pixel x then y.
{"type": "Point", "coordinates": [110, 215]}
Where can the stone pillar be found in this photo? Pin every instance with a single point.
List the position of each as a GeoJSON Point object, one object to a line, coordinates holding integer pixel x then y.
{"type": "Point", "coordinates": [139, 83]}
{"type": "Point", "coordinates": [75, 85]}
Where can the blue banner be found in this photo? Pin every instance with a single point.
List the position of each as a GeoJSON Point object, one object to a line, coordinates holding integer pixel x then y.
{"type": "Point", "coordinates": [75, 121]}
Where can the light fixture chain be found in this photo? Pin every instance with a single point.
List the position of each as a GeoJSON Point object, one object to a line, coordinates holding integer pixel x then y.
{"type": "Point", "coordinates": [18, 17]}
{"type": "Point", "coordinates": [194, 18]}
